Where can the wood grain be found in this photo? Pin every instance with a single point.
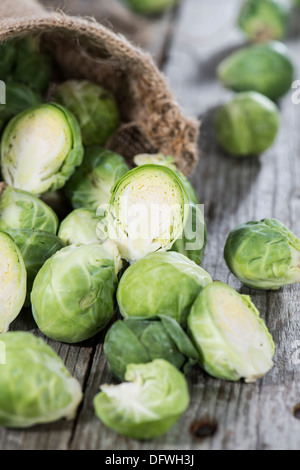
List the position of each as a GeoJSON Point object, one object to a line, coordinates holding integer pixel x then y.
{"type": "Point", "coordinates": [222, 415]}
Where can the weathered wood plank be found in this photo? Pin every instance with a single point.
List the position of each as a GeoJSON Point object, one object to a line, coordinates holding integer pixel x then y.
{"type": "Point", "coordinates": [248, 416]}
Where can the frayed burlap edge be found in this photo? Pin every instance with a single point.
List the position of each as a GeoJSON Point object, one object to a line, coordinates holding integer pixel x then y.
{"type": "Point", "coordinates": [155, 122]}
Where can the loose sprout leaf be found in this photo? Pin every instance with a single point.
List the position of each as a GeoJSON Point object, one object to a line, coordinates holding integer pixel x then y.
{"type": "Point", "coordinates": [151, 400]}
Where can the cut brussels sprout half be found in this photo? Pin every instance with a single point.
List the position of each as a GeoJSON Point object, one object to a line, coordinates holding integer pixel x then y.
{"type": "Point", "coordinates": [91, 183]}
{"type": "Point", "coordinates": [136, 341]}
{"type": "Point", "coordinates": [164, 283]}
{"type": "Point", "coordinates": [73, 294]}
{"type": "Point", "coordinates": [169, 162]}
{"type": "Point", "coordinates": [233, 341]}
{"type": "Point", "coordinates": [192, 241]}
{"type": "Point", "coordinates": [147, 211]}
{"type": "Point", "coordinates": [20, 209]}
{"type": "Point", "coordinates": [94, 107]}
{"type": "Point", "coordinates": [263, 20]}
{"type": "Point", "coordinates": [13, 280]}
{"type": "Point", "coordinates": [40, 149]}
{"type": "Point", "coordinates": [80, 227]}
{"type": "Point", "coordinates": [148, 404]}
{"type": "Point", "coordinates": [263, 254]}
{"type": "Point", "coordinates": [36, 246]}
{"type": "Point", "coordinates": [35, 385]}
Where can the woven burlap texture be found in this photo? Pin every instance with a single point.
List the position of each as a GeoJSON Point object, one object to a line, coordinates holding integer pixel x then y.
{"type": "Point", "coordinates": [152, 121]}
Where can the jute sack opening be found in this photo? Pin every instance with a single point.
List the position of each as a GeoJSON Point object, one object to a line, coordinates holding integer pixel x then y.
{"type": "Point", "coordinates": [151, 119]}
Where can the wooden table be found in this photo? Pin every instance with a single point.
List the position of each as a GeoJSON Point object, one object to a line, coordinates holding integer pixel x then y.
{"type": "Point", "coordinates": [188, 45]}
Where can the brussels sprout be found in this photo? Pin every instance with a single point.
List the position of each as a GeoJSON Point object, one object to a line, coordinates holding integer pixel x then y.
{"type": "Point", "coordinates": [35, 385]}
{"type": "Point", "coordinates": [36, 247]}
{"type": "Point", "coordinates": [40, 148]}
{"type": "Point", "coordinates": [233, 341]}
{"type": "Point", "coordinates": [73, 293]}
{"type": "Point", "coordinates": [22, 61]}
{"type": "Point", "coordinates": [147, 211]}
{"type": "Point", "coordinates": [192, 241]}
{"type": "Point", "coordinates": [33, 67]}
{"type": "Point", "coordinates": [263, 20]}
{"type": "Point", "coordinates": [151, 7]}
{"type": "Point", "coordinates": [91, 183]}
{"type": "Point", "coordinates": [79, 227]}
{"type": "Point", "coordinates": [20, 209]}
{"type": "Point", "coordinates": [18, 98]}
{"type": "Point", "coordinates": [263, 254]}
{"type": "Point", "coordinates": [266, 68]}
{"type": "Point", "coordinates": [12, 281]}
{"type": "Point", "coordinates": [164, 283]}
{"type": "Point", "coordinates": [248, 124]}
{"type": "Point", "coordinates": [137, 341]}
{"type": "Point", "coordinates": [94, 107]}
{"type": "Point", "coordinates": [148, 404]}
{"type": "Point", "coordinates": [8, 54]}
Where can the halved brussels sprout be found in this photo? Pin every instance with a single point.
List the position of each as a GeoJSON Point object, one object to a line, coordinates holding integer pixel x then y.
{"type": "Point", "coordinates": [91, 183]}
{"type": "Point", "coordinates": [35, 385]}
{"type": "Point", "coordinates": [18, 98]}
{"type": "Point", "coordinates": [22, 61]}
{"type": "Point", "coordinates": [148, 404]}
{"type": "Point", "coordinates": [147, 211]}
{"type": "Point", "coordinates": [136, 341]}
{"type": "Point", "coordinates": [36, 246]}
{"type": "Point", "coordinates": [169, 162]}
{"type": "Point", "coordinates": [40, 148]}
{"type": "Point", "coordinates": [248, 124]}
{"type": "Point", "coordinates": [80, 227]}
{"type": "Point", "coordinates": [263, 254]}
{"type": "Point", "coordinates": [263, 20]}
{"type": "Point", "coordinates": [12, 281]}
{"type": "Point", "coordinates": [266, 68]}
{"type": "Point", "coordinates": [151, 7]}
{"type": "Point", "coordinates": [192, 241]}
{"type": "Point", "coordinates": [20, 209]}
{"type": "Point", "coordinates": [73, 294]}
{"type": "Point", "coordinates": [94, 107]}
{"type": "Point", "coordinates": [233, 341]}
{"type": "Point", "coordinates": [164, 283]}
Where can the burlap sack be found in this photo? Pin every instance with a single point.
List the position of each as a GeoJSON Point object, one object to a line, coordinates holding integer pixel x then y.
{"type": "Point", "coordinates": [151, 119]}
